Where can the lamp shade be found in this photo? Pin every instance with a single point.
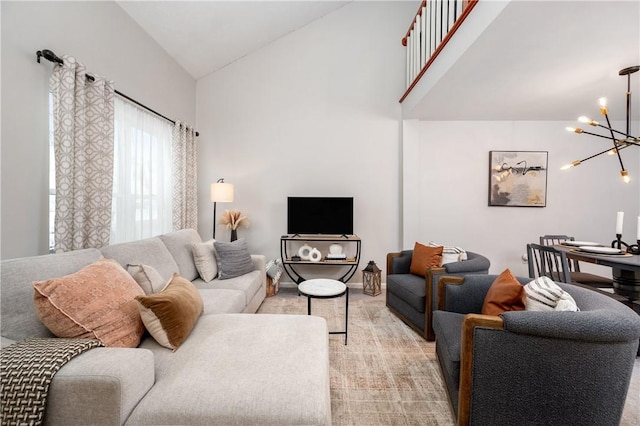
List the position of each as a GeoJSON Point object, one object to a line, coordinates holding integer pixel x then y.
{"type": "Point", "coordinates": [221, 192]}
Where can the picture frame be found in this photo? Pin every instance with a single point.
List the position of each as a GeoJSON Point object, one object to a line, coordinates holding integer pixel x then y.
{"type": "Point", "coordinates": [518, 178]}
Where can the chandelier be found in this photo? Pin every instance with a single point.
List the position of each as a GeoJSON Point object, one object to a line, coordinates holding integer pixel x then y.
{"type": "Point", "coordinates": [619, 140]}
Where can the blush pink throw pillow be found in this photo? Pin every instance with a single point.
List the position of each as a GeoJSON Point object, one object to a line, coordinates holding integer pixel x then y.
{"type": "Point", "coordinates": [97, 302]}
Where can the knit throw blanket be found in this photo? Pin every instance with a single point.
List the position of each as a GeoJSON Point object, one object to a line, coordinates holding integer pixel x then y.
{"type": "Point", "coordinates": [27, 370]}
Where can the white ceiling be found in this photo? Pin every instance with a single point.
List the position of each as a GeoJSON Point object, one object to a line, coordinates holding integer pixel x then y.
{"type": "Point", "coordinates": [204, 36]}
{"type": "Point", "coordinates": [538, 60]}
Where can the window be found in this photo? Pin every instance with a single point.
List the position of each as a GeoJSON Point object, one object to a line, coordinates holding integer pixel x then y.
{"type": "Point", "coordinates": [142, 199]}
{"type": "Point", "coordinates": [142, 192]}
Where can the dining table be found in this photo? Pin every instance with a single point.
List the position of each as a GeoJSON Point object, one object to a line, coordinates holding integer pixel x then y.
{"type": "Point", "coordinates": [625, 269]}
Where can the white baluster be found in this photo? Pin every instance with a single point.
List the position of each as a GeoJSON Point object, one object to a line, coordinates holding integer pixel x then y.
{"type": "Point", "coordinates": [408, 61]}
{"type": "Point", "coordinates": [424, 48]}
{"type": "Point", "coordinates": [451, 15]}
{"type": "Point", "coordinates": [438, 9]}
{"type": "Point", "coordinates": [411, 52]}
{"type": "Point", "coordinates": [418, 27]}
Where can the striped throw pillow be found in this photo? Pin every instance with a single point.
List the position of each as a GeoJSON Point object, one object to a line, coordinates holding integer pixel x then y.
{"type": "Point", "coordinates": [542, 294]}
{"type": "Point", "coordinates": [450, 254]}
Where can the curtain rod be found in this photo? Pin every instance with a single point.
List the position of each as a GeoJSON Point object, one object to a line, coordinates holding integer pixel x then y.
{"type": "Point", "coordinates": [52, 57]}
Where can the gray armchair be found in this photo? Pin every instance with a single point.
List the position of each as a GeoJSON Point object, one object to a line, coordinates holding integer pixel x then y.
{"type": "Point", "coordinates": [413, 298]}
{"type": "Point", "coordinates": [526, 367]}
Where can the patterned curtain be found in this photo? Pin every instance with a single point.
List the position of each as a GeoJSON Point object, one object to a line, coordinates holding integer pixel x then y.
{"type": "Point", "coordinates": [83, 147]}
{"type": "Point", "coordinates": [185, 175]}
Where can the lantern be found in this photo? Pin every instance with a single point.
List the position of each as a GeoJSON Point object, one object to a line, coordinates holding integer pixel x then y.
{"type": "Point", "coordinates": [371, 278]}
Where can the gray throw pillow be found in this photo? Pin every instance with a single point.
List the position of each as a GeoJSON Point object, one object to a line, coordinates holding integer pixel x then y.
{"type": "Point", "coordinates": [233, 259]}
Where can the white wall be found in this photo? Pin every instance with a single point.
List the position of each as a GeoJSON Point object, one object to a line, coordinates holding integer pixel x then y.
{"type": "Point", "coordinates": [315, 113]}
{"type": "Point", "coordinates": [102, 36]}
{"type": "Point", "coordinates": [446, 188]}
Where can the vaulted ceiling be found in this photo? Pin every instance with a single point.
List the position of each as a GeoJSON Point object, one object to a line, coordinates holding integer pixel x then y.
{"type": "Point", "coordinates": [204, 36]}
{"type": "Point", "coordinates": [537, 60]}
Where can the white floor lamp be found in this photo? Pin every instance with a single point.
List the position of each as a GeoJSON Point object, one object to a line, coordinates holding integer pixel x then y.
{"type": "Point", "coordinates": [221, 192]}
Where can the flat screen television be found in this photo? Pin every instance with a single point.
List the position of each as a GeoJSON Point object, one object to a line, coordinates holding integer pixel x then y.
{"type": "Point", "coordinates": [320, 215]}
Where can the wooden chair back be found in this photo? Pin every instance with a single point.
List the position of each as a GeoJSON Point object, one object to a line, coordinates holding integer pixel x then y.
{"type": "Point", "coordinates": [546, 261]}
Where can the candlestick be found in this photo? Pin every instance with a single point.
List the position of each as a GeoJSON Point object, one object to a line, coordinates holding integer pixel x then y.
{"type": "Point", "coordinates": [619, 220]}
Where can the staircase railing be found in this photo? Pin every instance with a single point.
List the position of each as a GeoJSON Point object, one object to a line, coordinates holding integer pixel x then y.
{"type": "Point", "coordinates": [433, 26]}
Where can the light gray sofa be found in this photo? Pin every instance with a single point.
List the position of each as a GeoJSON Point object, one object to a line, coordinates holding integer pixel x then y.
{"type": "Point", "coordinates": [234, 368]}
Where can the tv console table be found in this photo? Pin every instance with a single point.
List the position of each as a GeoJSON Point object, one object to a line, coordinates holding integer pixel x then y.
{"type": "Point", "coordinates": [287, 243]}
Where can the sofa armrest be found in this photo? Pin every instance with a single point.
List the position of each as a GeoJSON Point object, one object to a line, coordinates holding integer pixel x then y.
{"type": "Point", "coordinates": [471, 321]}
{"type": "Point", "coordinates": [475, 263]}
{"type": "Point", "coordinates": [260, 263]}
{"type": "Point", "coordinates": [399, 262]}
{"type": "Point", "coordinates": [100, 387]}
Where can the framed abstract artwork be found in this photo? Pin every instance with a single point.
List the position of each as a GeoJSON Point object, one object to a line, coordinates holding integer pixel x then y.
{"type": "Point", "coordinates": [518, 178]}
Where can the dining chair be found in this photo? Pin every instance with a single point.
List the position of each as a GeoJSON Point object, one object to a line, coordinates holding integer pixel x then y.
{"type": "Point", "coordinates": [577, 276]}
{"type": "Point", "coordinates": [546, 261]}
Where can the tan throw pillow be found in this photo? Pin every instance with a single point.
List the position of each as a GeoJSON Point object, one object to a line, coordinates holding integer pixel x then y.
{"type": "Point", "coordinates": [147, 278]}
{"type": "Point", "coordinates": [505, 294]}
{"type": "Point", "coordinates": [204, 256]}
{"type": "Point", "coordinates": [425, 257]}
{"type": "Point", "coordinates": [170, 315]}
{"type": "Point", "coordinates": [97, 302]}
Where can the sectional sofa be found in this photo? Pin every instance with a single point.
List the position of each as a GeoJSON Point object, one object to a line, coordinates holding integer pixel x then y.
{"type": "Point", "coordinates": [233, 368]}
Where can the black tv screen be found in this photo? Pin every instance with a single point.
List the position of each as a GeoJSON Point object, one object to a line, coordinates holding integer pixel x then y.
{"type": "Point", "coordinates": [320, 215]}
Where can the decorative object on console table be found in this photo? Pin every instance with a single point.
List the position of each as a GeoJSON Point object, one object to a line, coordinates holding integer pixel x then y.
{"type": "Point", "coordinates": [625, 139]}
{"type": "Point", "coordinates": [518, 178]}
{"type": "Point", "coordinates": [220, 192]}
{"type": "Point", "coordinates": [233, 219]}
{"type": "Point", "coordinates": [371, 279]}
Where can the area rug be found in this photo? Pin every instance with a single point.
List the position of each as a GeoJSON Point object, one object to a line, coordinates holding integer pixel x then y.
{"type": "Point", "coordinates": [387, 374]}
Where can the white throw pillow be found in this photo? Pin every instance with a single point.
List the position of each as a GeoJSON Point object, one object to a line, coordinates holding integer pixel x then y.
{"type": "Point", "coordinates": [204, 256]}
{"type": "Point", "coordinates": [542, 294]}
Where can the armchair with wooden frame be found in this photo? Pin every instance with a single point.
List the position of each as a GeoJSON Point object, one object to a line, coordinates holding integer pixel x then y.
{"type": "Point", "coordinates": [531, 367]}
{"type": "Point", "coordinates": [413, 298]}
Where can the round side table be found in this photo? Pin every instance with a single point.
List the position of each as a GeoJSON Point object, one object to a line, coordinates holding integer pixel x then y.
{"type": "Point", "coordinates": [324, 288]}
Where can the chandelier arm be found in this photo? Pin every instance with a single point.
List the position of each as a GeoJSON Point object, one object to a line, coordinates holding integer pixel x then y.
{"type": "Point", "coordinates": [613, 139]}
{"type": "Point", "coordinates": [595, 134]}
{"type": "Point", "coordinates": [614, 130]}
{"type": "Point", "coordinates": [595, 155]}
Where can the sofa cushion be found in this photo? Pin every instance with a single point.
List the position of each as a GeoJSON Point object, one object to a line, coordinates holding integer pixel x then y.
{"type": "Point", "coordinates": [249, 284]}
{"type": "Point", "coordinates": [248, 378]}
{"type": "Point", "coordinates": [233, 259]}
{"type": "Point", "coordinates": [147, 278]}
{"type": "Point", "coordinates": [19, 320]}
{"type": "Point", "coordinates": [425, 257]}
{"type": "Point", "coordinates": [170, 315]}
{"type": "Point", "coordinates": [179, 245]}
{"type": "Point", "coordinates": [409, 288]}
{"type": "Point", "coordinates": [97, 302]}
{"type": "Point", "coordinates": [205, 260]}
{"type": "Point", "coordinates": [505, 294]}
{"type": "Point", "coordinates": [150, 251]}
{"type": "Point", "coordinates": [222, 301]}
